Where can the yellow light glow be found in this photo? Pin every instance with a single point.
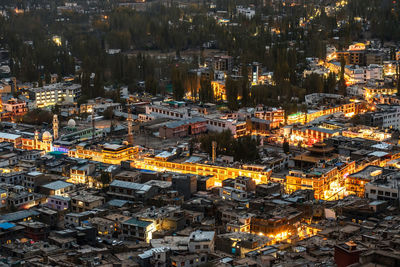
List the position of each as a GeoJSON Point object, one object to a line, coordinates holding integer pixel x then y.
{"type": "Point", "coordinates": [57, 40]}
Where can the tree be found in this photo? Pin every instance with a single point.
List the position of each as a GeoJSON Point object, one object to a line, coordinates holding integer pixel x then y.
{"type": "Point", "coordinates": [108, 114]}
{"type": "Point", "coordinates": [47, 78]}
{"type": "Point", "coordinates": [177, 78]}
{"type": "Point", "coordinates": [105, 178]}
{"type": "Point", "coordinates": [330, 83]}
{"type": "Point", "coordinates": [313, 83]}
{"type": "Point", "coordinates": [342, 87]}
{"type": "Point", "coordinates": [38, 117]}
{"type": "Point", "coordinates": [232, 91]}
{"type": "Point", "coordinates": [192, 82]}
{"type": "Point", "coordinates": [286, 147]}
{"type": "Point", "coordinates": [342, 82]}
{"type": "Point", "coordinates": [98, 85]}
{"type": "Point", "coordinates": [244, 83]}
{"type": "Point", "coordinates": [151, 85]}
{"type": "Point", "coordinates": [242, 148]}
{"type": "Point", "coordinates": [191, 147]}
{"type": "Point", "coordinates": [206, 93]}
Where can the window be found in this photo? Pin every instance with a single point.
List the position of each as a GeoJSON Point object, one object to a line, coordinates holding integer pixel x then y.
{"type": "Point", "coordinates": [387, 194]}
{"type": "Point", "coordinates": [380, 193]}
{"type": "Point", "coordinates": [394, 194]}
{"type": "Point", "coordinates": [205, 247]}
{"type": "Point", "coordinates": [373, 191]}
{"type": "Point", "coordinates": [197, 247]}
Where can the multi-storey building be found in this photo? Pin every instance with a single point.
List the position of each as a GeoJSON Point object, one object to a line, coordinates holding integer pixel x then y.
{"type": "Point", "coordinates": [131, 191]}
{"type": "Point", "coordinates": [383, 189]}
{"type": "Point", "coordinates": [183, 128]}
{"type": "Point", "coordinates": [317, 179]}
{"type": "Point", "coordinates": [319, 170]}
{"type": "Point", "coordinates": [214, 123]}
{"type": "Point", "coordinates": [9, 176]}
{"type": "Point", "coordinates": [52, 94]}
{"type": "Point", "coordinates": [270, 114]}
{"type": "Point", "coordinates": [13, 108]}
{"type": "Point", "coordinates": [58, 202]}
{"type": "Point", "coordinates": [358, 74]}
{"type": "Point", "coordinates": [11, 138]}
{"type": "Point", "coordinates": [79, 174]}
{"type": "Point", "coordinates": [349, 109]}
{"type": "Point", "coordinates": [230, 193]}
{"type": "Point", "coordinates": [223, 63]}
{"type": "Point", "coordinates": [134, 228]}
{"type": "Point", "coordinates": [356, 182]}
{"type": "Point", "coordinates": [386, 116]}
{"type": "Point", "coordinates": [314, 134]}
{"type": "Point", "coordinates": [85, 202]}
{"type": "Point", "coordinates": [108, 153]}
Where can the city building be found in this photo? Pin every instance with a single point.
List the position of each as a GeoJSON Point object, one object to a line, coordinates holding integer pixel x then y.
{"type": "Point", "coordinates": [59, 188]}
{"type": "Point", "coordinates": [131, 191]}
{"type": "Point", "coordinates": [85, 202]}
{"type": "Point", "coordinates": [52, 94]}
{"type": "Point", "coordinates": [137, 229]}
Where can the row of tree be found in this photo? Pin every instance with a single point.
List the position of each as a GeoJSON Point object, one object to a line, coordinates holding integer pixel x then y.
{"type": "Point", "coordinates": [242, 149]}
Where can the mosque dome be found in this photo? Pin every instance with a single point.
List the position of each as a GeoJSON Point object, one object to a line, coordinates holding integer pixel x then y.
{"type": "Point", "coordinates": [71, 123]}
{"type": "Point", "coordinates": [46, 135]}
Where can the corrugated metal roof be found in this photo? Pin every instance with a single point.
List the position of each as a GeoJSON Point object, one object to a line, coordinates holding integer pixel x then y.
{"type": "Point", "coordinates": [9, 136]}
{"type": "Point", "coordinates": [18, 215]}
{"type": "Point", "coordinates": [136, 222]}
{"type": "Point", "coordinates": [57, 185]}
{"type": "Point", "coordinates": [130, 185]}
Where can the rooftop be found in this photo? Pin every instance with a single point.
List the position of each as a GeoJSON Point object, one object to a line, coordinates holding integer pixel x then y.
{"type": "Point", "coordinates": [18, 215]}
{"type": "Point", "coordinates": [57, 185]}
{"type": "Point", "coordinates": [202, 236]}
{"type": "Point", "coordinates": [9, 136]}
{"type": "Point", "coordinates": [369, 172]}
{"type": "Point", "coordinates": [130, 185]}
{"type": "Point", "coordinates": [87, 198]}
{"type": "Point", "coordinates": [136, 222]}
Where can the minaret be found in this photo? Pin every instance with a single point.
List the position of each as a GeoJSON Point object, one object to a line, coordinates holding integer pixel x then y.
{"type": "Point", "coordinates": [130, 127]}
{"type": "Point", "coordinates": [214, 151]}
{"type": "Point", "coordinates": [36, 140]}
{"type": "Point", "coordinates": [55, 127]}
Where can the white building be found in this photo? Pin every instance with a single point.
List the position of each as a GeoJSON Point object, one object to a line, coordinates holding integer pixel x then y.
{"type": "Point", "coordinates": [52, 94]}
{"type": "Point", "coordinates": [389, 116]}
{"type": "Point", "coordinates": [364, 74]}
{"type": "Point", "coordinates": [230, 193]}
{"type": "Point", "coordinates": [201, 241]}
{"type": "Point", "coordinates": [245, 11]}
{"type": "Point", "coordinates": [215, 122]}
{"type": "Point", "coordinates": [383, 190]}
